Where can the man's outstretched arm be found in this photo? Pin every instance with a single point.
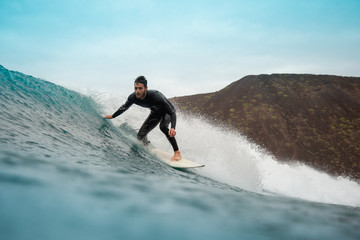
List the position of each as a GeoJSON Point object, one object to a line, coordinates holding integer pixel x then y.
{"type": "Point", "coordinates": [123, 108]}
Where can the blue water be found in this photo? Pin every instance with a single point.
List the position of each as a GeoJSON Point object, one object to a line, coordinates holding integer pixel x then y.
{"type": "Point", "coordinates": [66, 173]}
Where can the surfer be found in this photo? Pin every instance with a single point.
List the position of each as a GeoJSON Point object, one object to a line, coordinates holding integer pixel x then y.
{"type": "Point", "coordinates": [162, 111]}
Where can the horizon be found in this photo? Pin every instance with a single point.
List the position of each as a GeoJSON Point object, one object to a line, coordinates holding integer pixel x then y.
{"type": "Point", "coordinates": [182, 48]}
{"type": "Point", "coordinates": [87, 91]}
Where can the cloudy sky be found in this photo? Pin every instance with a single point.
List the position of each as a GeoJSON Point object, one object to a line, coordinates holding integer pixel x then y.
{"type": "Point", "coordinates": [182, 47]}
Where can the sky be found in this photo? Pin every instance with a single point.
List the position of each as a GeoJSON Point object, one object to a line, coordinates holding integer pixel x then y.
{"type": "Point", "coordinates": [181, 47]}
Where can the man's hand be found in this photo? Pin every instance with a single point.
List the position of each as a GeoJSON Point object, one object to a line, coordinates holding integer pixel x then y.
{"type": "Point", "coordinates": [108, 117]}
{"type": "Point", "coordinates": [172, 132]}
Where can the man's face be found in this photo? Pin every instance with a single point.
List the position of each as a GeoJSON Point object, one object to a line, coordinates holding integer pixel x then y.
{"type": "Point", "coordinates": [140, 90]}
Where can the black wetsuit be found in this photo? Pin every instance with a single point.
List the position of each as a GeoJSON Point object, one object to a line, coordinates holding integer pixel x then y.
{"type": "Point", "coordinates": [162, 111]}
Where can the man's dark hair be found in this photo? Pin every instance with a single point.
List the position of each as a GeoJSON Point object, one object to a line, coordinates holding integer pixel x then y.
{"type": "Point", "coordinates": [142, 80]}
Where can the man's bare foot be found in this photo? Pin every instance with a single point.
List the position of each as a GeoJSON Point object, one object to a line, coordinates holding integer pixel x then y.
{"type": "Point", "coordinates": [177, 156]}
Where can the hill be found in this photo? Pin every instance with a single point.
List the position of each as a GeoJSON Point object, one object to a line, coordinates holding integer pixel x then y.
{"type": "Point", "coordinates": [314, 119]}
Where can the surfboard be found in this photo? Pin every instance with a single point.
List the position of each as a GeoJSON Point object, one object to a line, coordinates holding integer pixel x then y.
{"type": "Point", "coordinates": [183, 163]}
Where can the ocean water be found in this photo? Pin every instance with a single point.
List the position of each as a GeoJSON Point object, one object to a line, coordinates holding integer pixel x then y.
{"type": "Point", "coordinates": [66, 173]}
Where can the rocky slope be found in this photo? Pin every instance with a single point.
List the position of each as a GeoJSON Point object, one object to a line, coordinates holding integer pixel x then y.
{"type": "Point", "coordinates": [313, 119]}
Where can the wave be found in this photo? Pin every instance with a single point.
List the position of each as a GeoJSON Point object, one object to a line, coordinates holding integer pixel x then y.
{"type": "Point", "coordinates": [42, 119]}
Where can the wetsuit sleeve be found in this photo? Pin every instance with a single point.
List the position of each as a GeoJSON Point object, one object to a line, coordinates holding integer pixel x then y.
{"type": "Point", "coordinates": [124, 107]}
{"type": "Point", "coordinates": [169, 108]}
{"type": "Point", "coordinates": [173, 120]}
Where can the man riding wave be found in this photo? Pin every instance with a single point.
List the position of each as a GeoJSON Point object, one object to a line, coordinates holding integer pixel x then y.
{"type": "Point", "coordinates": [161, 111]}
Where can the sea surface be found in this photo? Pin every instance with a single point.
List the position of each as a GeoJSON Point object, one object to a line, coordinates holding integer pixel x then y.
{"type": "Point", "coordinates": [67, 173]}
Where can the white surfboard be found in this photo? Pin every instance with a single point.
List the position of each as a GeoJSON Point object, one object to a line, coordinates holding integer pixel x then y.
{"type": "Point", "coordinates": [166, 158]}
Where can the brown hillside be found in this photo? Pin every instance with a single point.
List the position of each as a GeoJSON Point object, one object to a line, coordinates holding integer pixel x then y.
{"type": "Point", "coordinates": [314, 119]}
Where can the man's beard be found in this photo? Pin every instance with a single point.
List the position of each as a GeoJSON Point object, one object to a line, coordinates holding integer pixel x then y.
{"type": "Point", "coordinates": [140, 95]}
